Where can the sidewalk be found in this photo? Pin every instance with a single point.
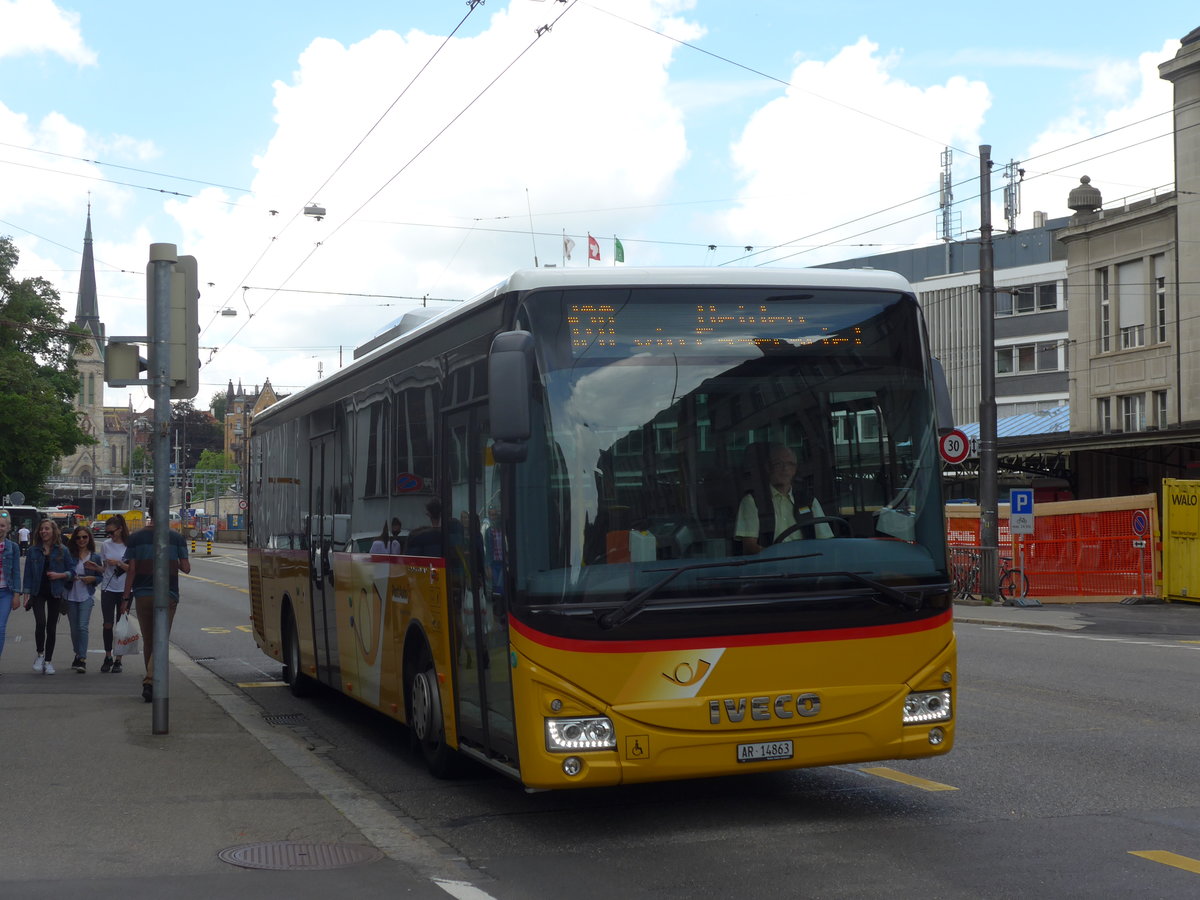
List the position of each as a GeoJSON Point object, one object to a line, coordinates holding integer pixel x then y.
{"type": "Point", "coordinates": [1062, 616]}
{"type": "Point", "coordinates": [93, 804]}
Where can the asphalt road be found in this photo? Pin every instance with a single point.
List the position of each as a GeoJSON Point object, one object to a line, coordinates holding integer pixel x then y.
{"type": "Point", "coordinates": [1073, 776]}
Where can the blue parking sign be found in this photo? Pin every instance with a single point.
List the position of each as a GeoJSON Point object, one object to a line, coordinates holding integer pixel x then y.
{"type": "Point", "coordinates": [1020, 501]}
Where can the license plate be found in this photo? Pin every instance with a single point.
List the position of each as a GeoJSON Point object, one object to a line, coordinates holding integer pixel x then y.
{"type": "Point", "coordinates": [764, 751]}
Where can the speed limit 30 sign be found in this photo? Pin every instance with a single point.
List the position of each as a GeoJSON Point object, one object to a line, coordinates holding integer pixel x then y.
{"type": "Point", "coordinates": [954, 446]}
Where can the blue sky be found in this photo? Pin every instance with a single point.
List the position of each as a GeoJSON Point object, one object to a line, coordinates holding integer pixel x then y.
{"type": "Point", "coordinates": [190, 124]}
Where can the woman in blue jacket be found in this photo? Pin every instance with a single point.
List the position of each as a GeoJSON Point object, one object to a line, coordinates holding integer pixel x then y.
{"type": "Point", "coordinates": [10, 574]}
{"type": "Point", "coordinates": [86, 567]}
{"type": "Point", "coordinates": [48, 574]}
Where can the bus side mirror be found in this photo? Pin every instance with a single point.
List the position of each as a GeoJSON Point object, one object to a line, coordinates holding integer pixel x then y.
{"type": "Point", "coordinates": [510, 386]}
{"type": "Point", "coordinates": [943, 407]}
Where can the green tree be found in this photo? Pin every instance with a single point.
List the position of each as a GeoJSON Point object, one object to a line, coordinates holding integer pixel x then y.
{"type": "Point", "coordinates": [218, 404]}
{"type": "Point", "coordinates": [196, 431]}
{"type": "Point", "coordinates": [38, 380]}
{"type": "Point", "coordinates": [218, 461]}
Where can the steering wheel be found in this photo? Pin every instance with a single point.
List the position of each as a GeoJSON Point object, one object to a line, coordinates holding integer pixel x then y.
{"type": "Point", "coordinates": [815, 520]}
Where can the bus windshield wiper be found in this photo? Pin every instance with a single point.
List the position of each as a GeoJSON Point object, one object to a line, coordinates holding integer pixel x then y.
{"type": "Point", "coordinates": [634, 604]}
{"type": "Point", "coordinates": [889, 594]}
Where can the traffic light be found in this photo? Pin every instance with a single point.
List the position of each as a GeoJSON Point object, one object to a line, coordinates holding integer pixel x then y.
{"type": "Point", "coordinates": [185, 314]}
{"type": "Point", "coordinates": [183, 339]}
{"type": "Point", "coordinates": [187, 498]}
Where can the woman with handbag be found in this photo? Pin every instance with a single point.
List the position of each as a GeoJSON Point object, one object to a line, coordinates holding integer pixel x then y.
{"type": "Point", "coordinates": [86, 568]}
{"type": "Point", "coordinates": [47, 576]}
{"type": "Point", "coordinates": [112, 552]}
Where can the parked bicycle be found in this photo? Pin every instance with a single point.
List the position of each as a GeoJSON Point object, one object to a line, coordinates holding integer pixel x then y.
{"type": "Point", "coordinates": [966, 576]}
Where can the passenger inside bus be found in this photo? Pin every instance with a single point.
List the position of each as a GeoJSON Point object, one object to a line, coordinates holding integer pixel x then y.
{"type": "Point", "coordinates": [773, 510]}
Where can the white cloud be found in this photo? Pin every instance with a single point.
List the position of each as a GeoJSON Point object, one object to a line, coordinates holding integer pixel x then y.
{"type": "Point", "coordinates": [537, 144]}
{"type": "Point", "coordinates": [1134, 156]}
{"type": "Point", "coordinates": [826, 153]}
{"type": "Point", "coordinates": [38, 26]}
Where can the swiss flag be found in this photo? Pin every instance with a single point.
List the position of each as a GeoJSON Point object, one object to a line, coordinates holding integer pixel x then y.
{"type": "Point", "coordinates": [593, 248]}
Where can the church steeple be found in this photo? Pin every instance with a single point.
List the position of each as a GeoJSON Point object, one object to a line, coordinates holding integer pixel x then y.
{"type": "Point", "coordinates": [87, 310]}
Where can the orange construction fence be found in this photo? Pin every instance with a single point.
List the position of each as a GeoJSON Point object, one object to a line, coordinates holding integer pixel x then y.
{"type": "Point", "coordinates": [1079, 548]}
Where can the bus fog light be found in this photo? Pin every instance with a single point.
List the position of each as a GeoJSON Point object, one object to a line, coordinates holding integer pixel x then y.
{"type": "Point", "coordinates": [936, 736]}
{"type": "Point", "coordinates": [572, 766]}
{"type": "Point", "coordinates": [927, 706]}
{"type": "Point", "coordinates": [581, 733]}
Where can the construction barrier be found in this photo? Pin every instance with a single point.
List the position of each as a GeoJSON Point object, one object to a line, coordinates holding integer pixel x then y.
{"type": "Point", "coordinates": [1079, 548]}
{"type": "Point", "coordinates": [209, 550]}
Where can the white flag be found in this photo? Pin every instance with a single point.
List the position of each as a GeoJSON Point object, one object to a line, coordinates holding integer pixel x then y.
{"type": "Point", "coordinates": [568, 246]}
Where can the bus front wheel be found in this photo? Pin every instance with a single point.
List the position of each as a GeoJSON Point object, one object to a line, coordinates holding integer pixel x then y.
{"type": "Point", "coordinates": [425, 719]}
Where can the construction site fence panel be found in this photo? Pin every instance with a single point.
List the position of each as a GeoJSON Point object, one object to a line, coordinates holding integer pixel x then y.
{"type": "Point", "coordinates": [1083, 548]}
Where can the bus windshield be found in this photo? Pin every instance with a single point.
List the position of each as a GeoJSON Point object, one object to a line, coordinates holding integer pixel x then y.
{"type": "Point", "coordinates": [680, 427]}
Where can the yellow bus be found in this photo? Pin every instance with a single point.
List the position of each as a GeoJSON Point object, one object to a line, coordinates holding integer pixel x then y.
{"type": "Point", "coordinates": [538, 528]}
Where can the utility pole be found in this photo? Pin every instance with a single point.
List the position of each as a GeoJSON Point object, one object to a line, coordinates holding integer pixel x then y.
{"type": "Point", "coordinates": [989, 530]}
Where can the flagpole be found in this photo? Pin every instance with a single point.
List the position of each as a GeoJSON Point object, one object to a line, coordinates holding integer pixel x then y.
{"type": "Point", "coordinates": [532, 239]}
{"type": "Point", "coordinates": [564, 248]}
{"type": "Point", "coordinates": [589, 237]}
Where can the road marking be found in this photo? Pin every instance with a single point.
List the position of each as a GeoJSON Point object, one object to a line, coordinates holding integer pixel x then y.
{"type": "Point", "coordinates": [258, 684]}
{"type": "Point", "coordinates": [912, 780]}
{"type": "Point", "coordinates": [1138, 642]}
{"type": "Point", "coordinates": [461, 890]}
{"type": "Point", "coordinates": [232, 587]}
{"type": "Point", "coordinates": [1170, 859]}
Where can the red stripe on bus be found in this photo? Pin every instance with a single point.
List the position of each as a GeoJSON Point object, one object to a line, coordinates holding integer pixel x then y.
{"type": "Point", "coordinates": [730, 640]}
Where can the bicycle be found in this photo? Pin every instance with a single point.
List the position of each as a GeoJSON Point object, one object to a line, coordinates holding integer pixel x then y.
{"type": "Point", "coordinates": [966, 576]}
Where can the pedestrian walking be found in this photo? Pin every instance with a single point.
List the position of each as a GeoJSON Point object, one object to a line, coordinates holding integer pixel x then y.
{"type": "Point", "coordinates": [139, 585]}
{"type": "Point", "coordinates": [10, 574]}
{"type": "Point", "coordinates": [112, 584]}
{"type": "Point", "coordinates": [86, 569]}
{"type": "Point", "coordinates": [47, 576]}
{"type": "Point", "coordinates": [23, 537]}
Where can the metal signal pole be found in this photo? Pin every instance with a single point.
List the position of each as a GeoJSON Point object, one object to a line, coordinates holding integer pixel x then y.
{"type": "Point", "coordinates": [989, 528]}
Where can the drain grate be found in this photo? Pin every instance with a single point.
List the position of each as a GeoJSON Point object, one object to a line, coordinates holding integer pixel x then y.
{"type": "Point", "coordinates": [284, 719]}
{"type": "Point", "coordinates": [299, 855]}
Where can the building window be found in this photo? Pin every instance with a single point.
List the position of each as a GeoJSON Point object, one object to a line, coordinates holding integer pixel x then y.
{"type": "Point", "coordinates": [1028, 298]}
{"type": "Point", "coordinates": [1105, 305]}
{"type": "Point", "coordinates": [1024, 359]}
{"type": "Point", "coordinates": [1131, 303]}
{"type": "Point", "coordinates": [1133, 412]}
{"type": "Point", "coordinates": [1160, 409]}
{"type": "Point", "coordinates": [1160, 299]}
{"type": "Point", "coordinates": [1104, 414]}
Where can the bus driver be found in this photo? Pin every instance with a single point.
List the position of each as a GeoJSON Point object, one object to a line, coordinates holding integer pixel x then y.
{"type": "Point", "coordinates": [787, 519]}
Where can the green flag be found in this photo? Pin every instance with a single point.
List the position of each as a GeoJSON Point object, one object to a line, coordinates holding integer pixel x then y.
{"type": "Point", "coordinates": [618, 250]}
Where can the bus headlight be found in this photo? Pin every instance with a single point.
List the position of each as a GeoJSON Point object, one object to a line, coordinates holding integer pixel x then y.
{"type": "Point", "coordinates": [927, 706]}
{"type": "Point", "coordinates": [584, 733]}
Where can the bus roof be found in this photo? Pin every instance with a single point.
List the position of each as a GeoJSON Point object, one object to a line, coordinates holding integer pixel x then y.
{"type": "Point", "coordinates": [529, 279]}
{"type": "Point", "coordinates": [596, 276]}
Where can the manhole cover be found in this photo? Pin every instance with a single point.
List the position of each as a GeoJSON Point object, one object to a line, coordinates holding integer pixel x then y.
{"type": "Point", "coordinates": [299, 855]}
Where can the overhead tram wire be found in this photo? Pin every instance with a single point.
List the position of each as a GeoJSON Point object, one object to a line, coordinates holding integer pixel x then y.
{"type": "Point", "coordinates": [966, 181]}
{"type": "Point", "coordinates": [472, 5]}
{"type": "Point", "coordinates": [541, 32]}
{"type": "Point", "coordinates": [781, 81]}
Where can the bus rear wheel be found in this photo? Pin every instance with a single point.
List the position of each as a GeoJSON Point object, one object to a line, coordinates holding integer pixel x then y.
{"type": "Point", "coordinates": [425, 719]}
{"type": "Point", "coordinates": [301, 685]}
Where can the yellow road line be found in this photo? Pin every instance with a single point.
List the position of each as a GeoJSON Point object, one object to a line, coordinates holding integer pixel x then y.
{"type": "Point", "coordinates": [1170, 859]}
{"type": "Point", "coordinates": [254, 684]}
{"type": "Point", "coordinates": [232, 587]}
{"type": "Point", "coordinates": [912, 780]}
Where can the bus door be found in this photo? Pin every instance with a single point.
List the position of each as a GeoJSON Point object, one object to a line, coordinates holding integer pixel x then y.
{"type": "Point", "coordinates": [322, 479]}
{"type": "Point", "coordinates": [477, 575]}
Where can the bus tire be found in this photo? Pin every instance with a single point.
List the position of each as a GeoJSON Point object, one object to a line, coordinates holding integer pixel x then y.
{"type": "Point", "coordinates": [425, 719]}
{"type": "Point", "coordinates": [299, 683]}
